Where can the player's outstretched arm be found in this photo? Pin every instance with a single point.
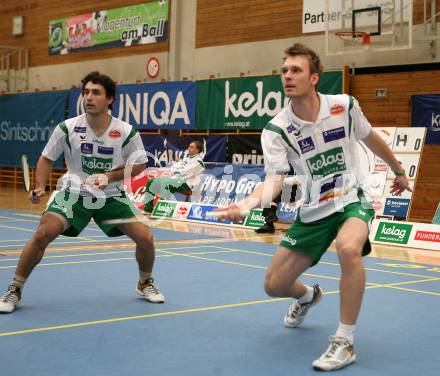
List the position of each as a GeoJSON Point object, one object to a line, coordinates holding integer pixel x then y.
{"type": "Point", "coordinates": [379, 147]}
{"type": "Point", "coordinates": [262, 195]}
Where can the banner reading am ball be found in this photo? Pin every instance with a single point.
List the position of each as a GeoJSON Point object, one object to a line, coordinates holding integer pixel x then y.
{"type": "Point", "coordinates": [120, 27]}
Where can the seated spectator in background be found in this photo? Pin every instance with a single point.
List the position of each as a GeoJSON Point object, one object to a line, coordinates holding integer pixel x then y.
{"type": "Point", "coordinates": [185, 176]}
{"type": "Point", "coordinates": [270, 213]}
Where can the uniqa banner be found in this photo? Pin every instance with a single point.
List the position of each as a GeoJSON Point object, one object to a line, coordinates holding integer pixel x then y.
{"type": "Point", "coordinates": [169, 105]}
{"type": "Point", "coordinates": [248, 103]}
{"type": "Point", "coordinates": [26, 123]}
{"type": "Point", "coordinates": [425, 112]}
{"type": "Point", "coordinates": [119, 27]}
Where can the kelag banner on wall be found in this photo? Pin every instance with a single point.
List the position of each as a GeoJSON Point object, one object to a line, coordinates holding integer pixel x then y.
{"type": "Point", "coordinates": [26, 123]}
{"type": "Point", "coordinates": [170, 105]}
{"type": "Point", "coordinates": [120, 27]}
{"type": "Point", "coordinates": [248, 103]}
{"type": "Point", "coordinates": [425, 112]}
{"type": "Point", "coordinates": [162, 150]}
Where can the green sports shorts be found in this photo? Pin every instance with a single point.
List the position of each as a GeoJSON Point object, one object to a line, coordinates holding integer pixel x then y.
{"type": "Point", "coordinates": [79, 210]}
{"type": "Point", "coordinates": [314, 238]}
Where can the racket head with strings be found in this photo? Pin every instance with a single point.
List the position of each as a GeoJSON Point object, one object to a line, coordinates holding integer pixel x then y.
{"type": "Point", "coordinates": [26, 172]}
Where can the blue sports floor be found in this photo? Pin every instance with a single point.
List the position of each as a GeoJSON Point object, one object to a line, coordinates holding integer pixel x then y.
{"type": "Point", "coordinates": [80, 316]}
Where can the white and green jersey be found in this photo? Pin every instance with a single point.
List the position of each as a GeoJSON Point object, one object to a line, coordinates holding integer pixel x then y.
{"type": "Point", "coordinates": [323, 154]}
{"type": "Point", "coordinates": [189, 168]}
{"type": "Point", "coordinates": [86, 154]}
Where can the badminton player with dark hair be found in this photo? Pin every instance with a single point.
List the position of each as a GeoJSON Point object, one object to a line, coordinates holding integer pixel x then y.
{"type": "Point", "coordinates": [98, 149]}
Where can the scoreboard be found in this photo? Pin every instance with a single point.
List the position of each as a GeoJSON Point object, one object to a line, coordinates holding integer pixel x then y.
{"type": "Point", "coordinates": [406, 144]}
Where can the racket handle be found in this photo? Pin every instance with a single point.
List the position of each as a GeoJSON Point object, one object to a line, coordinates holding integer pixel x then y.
{"type": "Point", "coordinates": [217, 214]}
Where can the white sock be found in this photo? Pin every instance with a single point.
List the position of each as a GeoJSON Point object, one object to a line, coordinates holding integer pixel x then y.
{"type": "Point", "coordinates": [143, 276]}
{"type": "Point", "coordinates": [307, 297]}
{"type": "Point", "coordinates": [18, 281]}
{"type": "Point", "coordinates": [346, 331]}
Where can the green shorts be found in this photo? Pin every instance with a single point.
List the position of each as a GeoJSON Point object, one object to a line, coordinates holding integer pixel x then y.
{"type": "Point", "coordinates": [314, 238]}
{"type": "Point", "coordinates": [79, 210]}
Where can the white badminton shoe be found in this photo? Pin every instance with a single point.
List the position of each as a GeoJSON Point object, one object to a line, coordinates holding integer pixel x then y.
{"type": "Point", "coordinates": [339, 354]}
{"type": "Point", "coordinates": [149, 291]}
{"type": "Point", "coordinates": [297, 312]}
{"type": "Point", "coordinates": [10, 299]}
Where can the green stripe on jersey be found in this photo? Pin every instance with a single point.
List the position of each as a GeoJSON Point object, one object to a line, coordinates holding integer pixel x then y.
{"type": "Point", "coordinates": [277, 129]}
{"type": "Point", "coordinates": [350, 120]}
{"type": "Point", "coordinates": [129, 137]}
{"type": "Point", "coordinates": [63, 127]}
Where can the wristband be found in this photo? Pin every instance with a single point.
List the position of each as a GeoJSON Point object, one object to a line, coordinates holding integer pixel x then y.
{"type": "Point", "coordinates": [402, 173]}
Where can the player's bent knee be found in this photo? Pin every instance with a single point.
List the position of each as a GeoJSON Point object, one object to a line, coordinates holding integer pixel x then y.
{"type": "Point", "coordinates": [349, 254]}
{"type": "Point", "coordinates": [145, 239]}
{"type": "Point", "coordinates": [272, 288]}
{"type": "Point", "coordinates": [43, 236]}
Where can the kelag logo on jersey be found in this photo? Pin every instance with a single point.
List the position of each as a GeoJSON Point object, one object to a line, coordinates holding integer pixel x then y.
{"type": "Point", "coordinates": [79, 129]}
{"type": "Point", "coordinates": [86, 148]}
{"type": "Point", "coordinates": [306, 145]}
{"type": "Point", "coordinates": [93, 165]}
{"type": "Point", "coordinates": [327, 163]}
{"type": "Point", "coordinates": [334, 134]}
{"type": "Point", "coordinates": [104, 150]}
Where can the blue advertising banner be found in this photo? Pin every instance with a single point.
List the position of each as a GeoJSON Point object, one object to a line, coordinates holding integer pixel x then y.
{"type": "Point", "coordinates": [396, 206]}
{"type": "Point", "coordinates": [223, 185]}
{"type": "Point", "coordinates": [162, 150]}
{"type": "Point", "coordinates": [425, 112]}
{"type": "Point", "coordinates": [199, 213]}
{"type": "Point", "coordinates": [170, 105]}
{"type": "Point", "coordinates": [26, 123]}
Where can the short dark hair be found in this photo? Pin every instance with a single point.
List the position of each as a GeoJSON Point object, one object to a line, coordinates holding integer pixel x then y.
{"type": "Point", "coordinates": [313, 58]}
{"type": "Point", "coordinates": [199, 145]}
{"type": "Point", "coordinates": [104, 80]}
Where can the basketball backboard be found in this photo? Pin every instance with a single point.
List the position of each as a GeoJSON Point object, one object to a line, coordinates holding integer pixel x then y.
{"type": "Point", "coordinates": [359, 26]}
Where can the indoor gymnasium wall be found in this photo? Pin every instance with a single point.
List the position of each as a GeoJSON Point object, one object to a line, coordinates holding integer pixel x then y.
{"type": "Point", "coordinates": [231, 21]}
{"type": "Point", "coordinates": [213, 38]}
{"type": "Point", "coordinates": [47, 72]}
{"type": "Point", "coordinates": [38, 13]}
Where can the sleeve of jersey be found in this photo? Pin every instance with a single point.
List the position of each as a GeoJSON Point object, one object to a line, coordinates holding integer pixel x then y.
{"type": "Point", "coordinates": [275, 152]}
{"type": "Point", "coordinates": [133, 149]}
{"type": "Point", "coordinates": [55, 145]}
{"type": "Point", "coordinates": [195, 168]}
{"type": "Point", "coordinates": [361, 125]}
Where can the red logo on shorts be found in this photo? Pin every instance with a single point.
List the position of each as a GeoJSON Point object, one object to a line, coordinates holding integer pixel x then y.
{"type": "Point", "coordinates": [337, 109]}
{"type": "Point", "coordinates": [115, 134]}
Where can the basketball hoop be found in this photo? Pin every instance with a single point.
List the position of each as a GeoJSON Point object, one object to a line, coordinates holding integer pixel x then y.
{"type": "Point", "coordinates": [354, 38]}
